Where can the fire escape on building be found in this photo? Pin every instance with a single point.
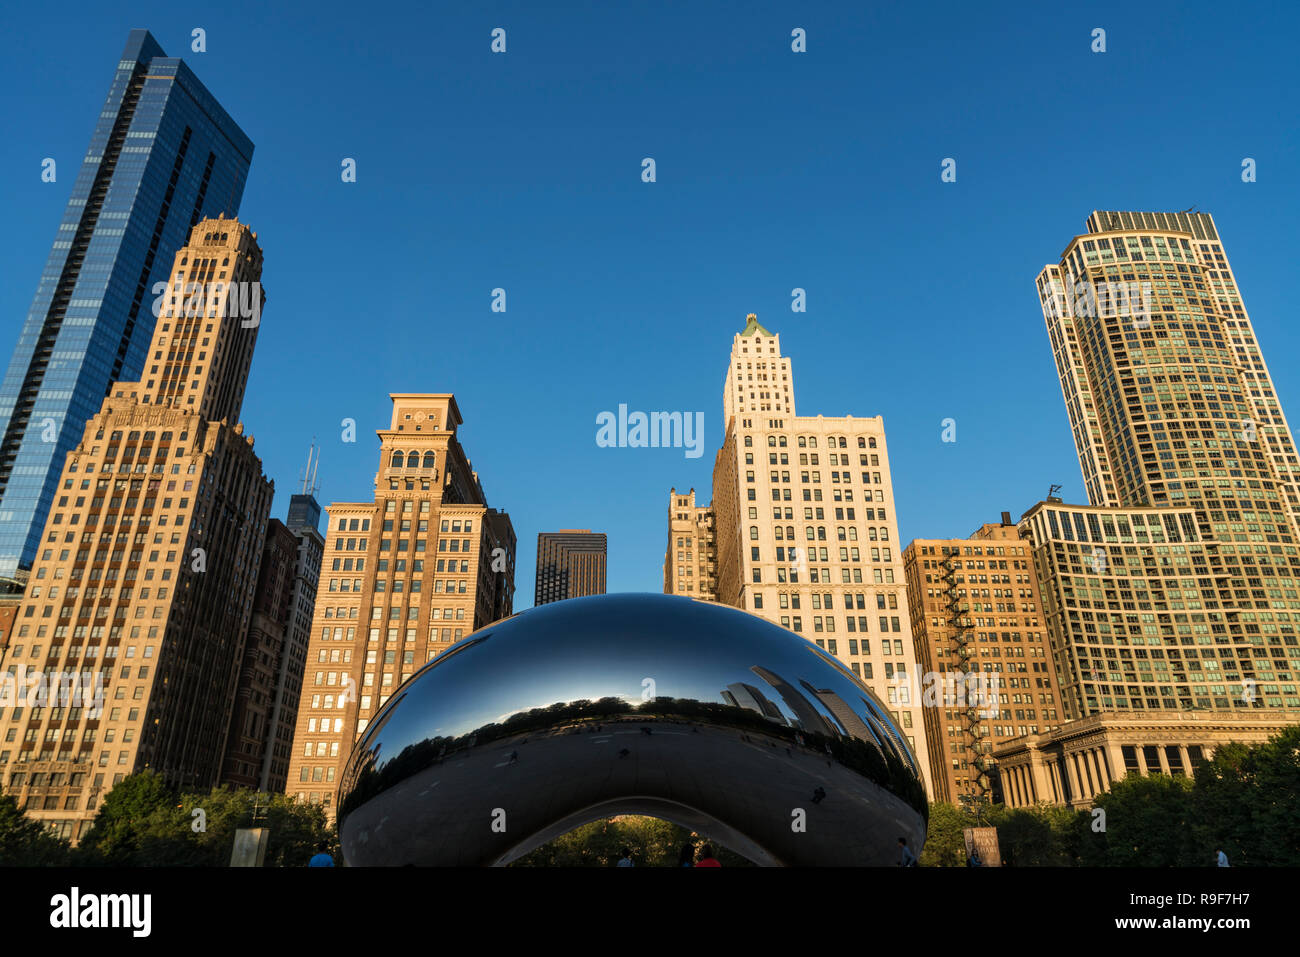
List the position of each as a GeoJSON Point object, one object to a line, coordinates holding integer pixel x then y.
{"type": "Point", "coordinates": [963, 634]}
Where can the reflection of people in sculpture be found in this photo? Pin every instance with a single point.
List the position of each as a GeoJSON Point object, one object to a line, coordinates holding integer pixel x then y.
{"type": "Point", "coordinates": [906, 857]}
{"type": "Point", "coordinates": [706, 857]}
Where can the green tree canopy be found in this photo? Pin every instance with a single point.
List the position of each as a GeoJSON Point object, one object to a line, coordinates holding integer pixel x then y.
{"type": "Point", "coordinates": [24, 842]}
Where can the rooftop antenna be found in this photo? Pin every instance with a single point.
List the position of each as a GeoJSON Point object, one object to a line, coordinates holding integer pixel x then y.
{"type": "Point", "coordinates": [309, 486]}
{"type": "Point", "coordinates": [1051, 493]}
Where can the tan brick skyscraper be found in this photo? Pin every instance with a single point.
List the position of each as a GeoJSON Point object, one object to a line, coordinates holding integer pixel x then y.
{"type": "Point", "coordinates": [807, 535]}
{"type": "Point", "coordinates": [691, 560]}
{"type": "Point", "coordinates": [403, 578]}
{"type": "Point", "coordinates": [975, 608]}
{"type": "Point", "coordinates": [149, 558]}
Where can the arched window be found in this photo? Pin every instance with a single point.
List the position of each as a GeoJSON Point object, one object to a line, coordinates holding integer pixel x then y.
{"type": "Point", "coordinates": [753, 533]}
{"type": "Point", "coordinates": [871, 443]}
{"type": "Point", "coordinates": [862, 443]}
{"type": "Point", "coordinates": [430, 460]}
{"type": "Point", "coordinates": [398, 460]}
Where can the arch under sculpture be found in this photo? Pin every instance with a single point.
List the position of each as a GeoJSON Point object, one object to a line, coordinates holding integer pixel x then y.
{"type": "Point", "coordinates": [575, 711]}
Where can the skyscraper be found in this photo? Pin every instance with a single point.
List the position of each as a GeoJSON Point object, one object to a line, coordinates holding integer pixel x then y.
{"type": "Point", "coordinates": [1169, 399]}
{"type": "Point", "coordinates": [981, 637]}
{"type": "Point", "coordinates": [806, 533]}
{"type": "Point", "coordinates": [246, 743]}
{"type": "Point", "coordinates": [1186, 563]}
{"type": "Point", "coordinates": [148, 561]}
{"type": "Point", "coordinates": [275, 653]}
{"type": "Point", "coordinates": [570, 564]}
{"type": "Point", "coordinates": [164, 154]}
{"type": "Point", "coordinates": [691, 559]}
{"type": "Point", "coordinates": [404, 577]}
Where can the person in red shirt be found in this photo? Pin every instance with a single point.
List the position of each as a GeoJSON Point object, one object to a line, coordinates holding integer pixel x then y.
{"type": "Point", "coordinates": [706, 857]}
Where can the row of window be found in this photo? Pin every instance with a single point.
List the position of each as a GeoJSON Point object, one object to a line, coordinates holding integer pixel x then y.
{"type": "Point", "coordinates": [853, 624]}
{"type": "Point", "coordinates": [810, 441]}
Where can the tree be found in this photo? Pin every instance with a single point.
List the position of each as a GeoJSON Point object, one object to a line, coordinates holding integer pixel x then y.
{"type": "Point", "coordinates": [1147, 824]}
{"type": "Point", "coordinates": [1037, 836]}
{"type": "Point", "coordinates": [119, 827]}
{"type": "Point", "coordinates": [143, 823]}
{"type": "Point", "coordinates": [1247, 803]}
{"type": "Point", "coordinates": [24, 842]}
{"type": "Point", "coordinates": [200, 830]}
{"type": "Point", "coordinates": [945, 844]}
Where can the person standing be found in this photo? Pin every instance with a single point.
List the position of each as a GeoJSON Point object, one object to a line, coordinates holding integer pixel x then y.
{"type": "Point", "coordinates": [626, 859]}
{"type": "Point", "coordinates": [706, 857]}
{"type": "Point", "coordinates": [687, 856]}
{"type": "Point", "coordinates": [906, 857]}
{"type": "Point", "coordinates": [322, 857]}
{"type": "Point", "coordinates": [1221, 859]}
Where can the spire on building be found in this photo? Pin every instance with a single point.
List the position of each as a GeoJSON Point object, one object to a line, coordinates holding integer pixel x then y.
{"type": "Point", "coordinates": [753, 326]}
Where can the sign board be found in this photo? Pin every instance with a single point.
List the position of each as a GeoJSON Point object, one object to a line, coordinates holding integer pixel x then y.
{"type": "Point", "coordinates": [250, 846]}
{"type": "Point", "coordinates": [982, 846]}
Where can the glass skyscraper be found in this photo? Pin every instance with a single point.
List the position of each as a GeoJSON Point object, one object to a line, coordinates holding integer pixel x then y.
{"type": "Point", "coordinates": [164, 155]}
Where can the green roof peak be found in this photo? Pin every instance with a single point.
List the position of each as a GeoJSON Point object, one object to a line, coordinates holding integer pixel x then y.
{"type": "Point", "coordinates": [752, 326]}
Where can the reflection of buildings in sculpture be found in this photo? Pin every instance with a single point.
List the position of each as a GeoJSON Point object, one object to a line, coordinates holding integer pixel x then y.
{"type": "Point", "coordinates": [839, 708]}
{"type": "Point", "coordinates": [746, 696]}
{"type": "Point", "coordinates": [807, 716]}
{"type": "Point", "coordinates": [853, 724]}
{"type": "Point", "coordinates": [883, 722]}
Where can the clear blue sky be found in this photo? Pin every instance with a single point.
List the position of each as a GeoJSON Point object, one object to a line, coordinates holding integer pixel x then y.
{"type": "Point", "coordinates": [775, 170]}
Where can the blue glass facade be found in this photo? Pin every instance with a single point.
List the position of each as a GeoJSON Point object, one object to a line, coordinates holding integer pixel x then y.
{"type": "Point", "coordinates": [164, 154]}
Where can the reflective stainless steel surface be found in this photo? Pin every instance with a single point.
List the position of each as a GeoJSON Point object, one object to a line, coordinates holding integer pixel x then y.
{"type": "Point", "coordinates": [579, 710]}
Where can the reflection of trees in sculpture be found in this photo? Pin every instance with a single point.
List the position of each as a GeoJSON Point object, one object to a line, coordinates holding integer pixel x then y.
{"type": "Point", "coordinates": [372, 776]}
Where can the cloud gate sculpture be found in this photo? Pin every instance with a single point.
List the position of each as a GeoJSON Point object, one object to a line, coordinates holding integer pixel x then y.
{"type": "Point", "coordinates": [576, 711]}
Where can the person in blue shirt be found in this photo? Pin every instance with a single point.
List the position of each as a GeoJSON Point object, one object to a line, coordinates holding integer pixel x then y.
{"type": "Point", "coordinates": [906, 857]}
{"type": "Point", "coordinates": [322, 857]}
